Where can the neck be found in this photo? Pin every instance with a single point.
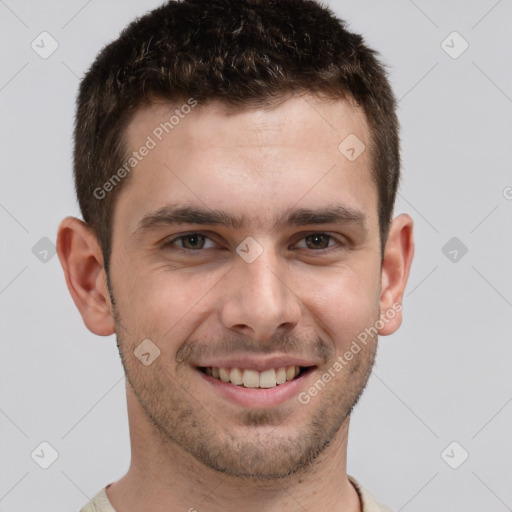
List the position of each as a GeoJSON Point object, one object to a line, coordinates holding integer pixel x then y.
{"type": "Point", "coordinates": [162, 475]}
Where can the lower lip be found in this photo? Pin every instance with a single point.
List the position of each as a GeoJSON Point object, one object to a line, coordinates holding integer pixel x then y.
{"type": "Point", "coordinates": [258, 397]}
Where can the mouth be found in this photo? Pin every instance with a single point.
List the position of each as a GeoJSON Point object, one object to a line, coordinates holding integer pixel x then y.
{"type": "Point", "coordinates": [249, 378]}
{"type": "Point", "coordinates": [255, 382]}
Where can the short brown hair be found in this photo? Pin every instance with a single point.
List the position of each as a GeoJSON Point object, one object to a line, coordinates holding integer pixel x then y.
{"type": "Point", "coordinates": [245, 53]}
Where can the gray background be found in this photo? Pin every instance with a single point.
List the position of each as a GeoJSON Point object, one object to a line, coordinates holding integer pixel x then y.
{"type": "Point", "coordinates": [443, 377]}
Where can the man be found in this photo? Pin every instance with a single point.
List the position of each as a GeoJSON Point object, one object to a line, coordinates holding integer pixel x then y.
{"type": "Point", "coordinates": [236, 165]}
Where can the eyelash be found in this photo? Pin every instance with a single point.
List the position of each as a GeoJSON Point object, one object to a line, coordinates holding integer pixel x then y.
{"type": "Point", "coordinates": [170, 242]}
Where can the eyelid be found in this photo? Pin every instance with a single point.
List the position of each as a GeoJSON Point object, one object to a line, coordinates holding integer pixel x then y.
{"type": "Point", "coordinates": [169, 240]}
{"type": "Point", "coordinates": [341, 241]}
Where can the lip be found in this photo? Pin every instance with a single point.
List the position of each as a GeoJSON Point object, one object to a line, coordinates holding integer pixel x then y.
{"type": "Point", "coordinates": [258, 397]}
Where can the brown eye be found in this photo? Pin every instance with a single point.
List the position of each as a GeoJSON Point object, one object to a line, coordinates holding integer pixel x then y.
{"type": "Point", "coordinates": [196, 241]}
{"type": "Point", "coordinates": [318, 241]}
{"type": "Point", "coordinates": [190, 241]}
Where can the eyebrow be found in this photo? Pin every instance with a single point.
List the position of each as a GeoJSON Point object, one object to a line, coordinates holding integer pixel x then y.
{"type": "Point", "coordinates": [173, 214]}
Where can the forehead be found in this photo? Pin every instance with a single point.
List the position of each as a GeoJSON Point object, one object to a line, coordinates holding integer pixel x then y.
{"type": "Point", "coordinates": [266, 159]}
{"type": "Point", "coordinates": [304, 119]}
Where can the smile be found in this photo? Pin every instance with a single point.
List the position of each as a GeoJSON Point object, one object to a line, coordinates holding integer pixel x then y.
{"type": "Point", "coordinates": [255, 379]}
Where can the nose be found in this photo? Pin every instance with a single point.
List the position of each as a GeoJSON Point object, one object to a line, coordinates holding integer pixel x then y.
{"type": "Point", "coordinates": [260, 298]}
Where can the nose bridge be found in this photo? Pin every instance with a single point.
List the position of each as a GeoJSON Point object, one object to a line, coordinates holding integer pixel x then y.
{"type": "Point", "coordinates": [259, 299]}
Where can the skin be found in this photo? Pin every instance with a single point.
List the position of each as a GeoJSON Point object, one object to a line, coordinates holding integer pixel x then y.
{"type": "Point", "coordinates": [302, 297]}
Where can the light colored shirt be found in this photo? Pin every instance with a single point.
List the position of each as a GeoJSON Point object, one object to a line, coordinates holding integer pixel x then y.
{"type": "Point", "coordinates": [101, 503]}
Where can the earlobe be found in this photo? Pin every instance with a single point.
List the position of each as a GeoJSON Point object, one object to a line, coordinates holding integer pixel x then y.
{"type": "Point", "coordinates": [82, 261]}
{"type": "Point", "coordinates": [398, 255]}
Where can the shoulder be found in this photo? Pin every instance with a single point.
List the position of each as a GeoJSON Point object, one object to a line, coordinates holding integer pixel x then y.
{"type": "Point", "coordinates": [368, 503]}
{"type": "Point", "coordinates": [100, 503]}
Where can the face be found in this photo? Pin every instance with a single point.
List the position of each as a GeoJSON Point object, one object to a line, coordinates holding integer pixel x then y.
{"type": "Point", "coordinates": [246, 249]}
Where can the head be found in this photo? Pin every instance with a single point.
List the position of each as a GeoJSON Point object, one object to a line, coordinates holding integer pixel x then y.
{"type": "Point", "coordinates": [236, 165]}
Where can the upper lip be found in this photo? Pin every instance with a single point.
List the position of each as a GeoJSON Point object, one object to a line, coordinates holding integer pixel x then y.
{"type": "Point", "coordinates": [254, 363]}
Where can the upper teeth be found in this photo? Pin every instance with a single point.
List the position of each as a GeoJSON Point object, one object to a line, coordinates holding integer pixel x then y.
{"type": "Point", "coordinates": [253, 378]}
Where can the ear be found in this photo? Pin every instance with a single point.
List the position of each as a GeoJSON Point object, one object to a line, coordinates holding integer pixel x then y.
{"type": "Point", "coordinates": [82, 261]}
{"type": "Point", "coordinates": [396, 264]}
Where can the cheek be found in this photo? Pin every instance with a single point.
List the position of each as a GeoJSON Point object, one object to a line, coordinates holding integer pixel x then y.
{"type": "Point", "coordinates": [163, 305]}
{"type": "Point", "coordinates": [344, 303]}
